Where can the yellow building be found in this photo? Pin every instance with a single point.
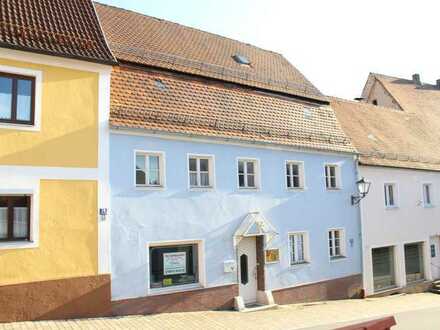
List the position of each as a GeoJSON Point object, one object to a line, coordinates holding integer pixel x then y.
{"type": "Point", "coordinates": [54, 101]}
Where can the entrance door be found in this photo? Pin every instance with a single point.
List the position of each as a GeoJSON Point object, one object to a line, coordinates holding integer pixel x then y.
{"type": "Point", "coordinates": [247, 269]}
{"type": "Point", "coordinates": [435, 257]}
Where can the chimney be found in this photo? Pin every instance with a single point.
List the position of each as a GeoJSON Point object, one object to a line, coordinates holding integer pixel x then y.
{"type": "Point", "coordinates": [416, 79]}
{"type": "Point", "coordinates": [438, 83]}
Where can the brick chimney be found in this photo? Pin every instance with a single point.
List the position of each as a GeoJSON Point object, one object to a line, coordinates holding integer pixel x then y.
{"type": "Point", "coordinates": [416, 79]}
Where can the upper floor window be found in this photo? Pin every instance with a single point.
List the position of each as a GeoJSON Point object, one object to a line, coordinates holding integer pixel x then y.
{"type": "Point", "coordinates": [294, 175]}
{"type": "Point", "coordinates": [332, 177]}
{"type": "Point", "coordinates": [15, 218]}
{"type": "Point", "coordinates": [247, 173]}
{"type": "Point", "coordinates": [149, 169]}
{"type": "Point", "coordinates": [427, 194]}
{"type": "Point", "coordinates": [17, 99]}
{"type": "Point", "coordinates": [390, 194]}
{"type": "Point", "coordinates": [201, 171]}
{"type": "Point", "coordinates": [336, 243]}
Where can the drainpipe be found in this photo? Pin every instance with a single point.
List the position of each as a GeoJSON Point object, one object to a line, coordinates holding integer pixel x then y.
{"type": "Point", "coordinates": [361, 234]}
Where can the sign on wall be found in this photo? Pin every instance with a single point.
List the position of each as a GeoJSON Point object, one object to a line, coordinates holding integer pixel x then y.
{"type": "Point", "coordinates": [272, 255]}
{"type": "Point", "coordinates": [174, 263]}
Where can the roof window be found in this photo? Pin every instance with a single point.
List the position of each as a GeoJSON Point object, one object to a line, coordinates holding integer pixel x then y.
{"type": "Point", "coordinates": [241, 59]}
{"type": "Point", "coordinates": [160, 84]}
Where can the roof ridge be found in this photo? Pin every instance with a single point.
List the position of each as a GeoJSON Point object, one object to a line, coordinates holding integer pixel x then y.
{"type": "Point", "coordinates": [188, 27]}
{"type": "Point", "coordinates": [368, 105]}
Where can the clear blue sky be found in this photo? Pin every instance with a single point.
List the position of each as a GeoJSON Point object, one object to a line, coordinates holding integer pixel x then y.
{"type": "Point", "coordinates": [335, 43]}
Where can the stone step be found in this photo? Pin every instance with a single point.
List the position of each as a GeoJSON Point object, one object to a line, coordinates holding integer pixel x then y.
{"type": "Point", "coordinates": [435, 290]}
{"type": "Point", "coordinates": [258, 308]}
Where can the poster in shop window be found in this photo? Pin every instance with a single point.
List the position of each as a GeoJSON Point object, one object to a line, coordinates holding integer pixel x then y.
{"type": "Point", "coordinates": [174, 263]}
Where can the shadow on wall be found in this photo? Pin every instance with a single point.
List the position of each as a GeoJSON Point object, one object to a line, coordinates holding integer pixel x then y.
{"type": "Point", "coordinates": [74, 149]}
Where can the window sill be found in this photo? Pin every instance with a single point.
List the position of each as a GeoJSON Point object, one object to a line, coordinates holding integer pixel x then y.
{"type": "Point", "coordinates": [300, 264]}
{"type": "Point", "coordinates": [175, 289]}
{"type": "Point", "coordinates": [248, 189]}
{"type": "Point", "coordinates": [336, 259]}
{"type": "Point", "coordinates": [300, 189]}
{"type": "Point", "coordinates": [201, 189]}
{"type": "Point", "coordinates": [333, 189]}
{"type": "Point", "coordinates": [152, 188]}
{"type": "Point", "coordinates": [390, 208]}
{"type": "Point", "coordinates": [428, 206]}
{"type": "Point", "coordinates": [12, 245]}
{"type": "Point", "coordinates": [19, 127]}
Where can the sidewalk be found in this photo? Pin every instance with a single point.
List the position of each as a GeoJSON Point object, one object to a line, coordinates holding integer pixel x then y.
{"type": "Point", "coordinates": [285, 317]}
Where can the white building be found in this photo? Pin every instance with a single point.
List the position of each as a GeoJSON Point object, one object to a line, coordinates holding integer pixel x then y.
{"type": "Point", "coordinates": [397, 137]}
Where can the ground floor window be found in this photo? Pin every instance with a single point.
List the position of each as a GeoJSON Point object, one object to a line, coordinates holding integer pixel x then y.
{"type": "Point", "coordinates": [15, 218]}
{"type": "Point", "coordinates": [383, 268]}
{"type": "Point", "coordinates": [414, 266]}
{"type": "Point", "coordinates": [173, 265]}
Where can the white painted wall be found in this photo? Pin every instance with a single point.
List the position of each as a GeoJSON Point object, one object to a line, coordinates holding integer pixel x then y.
{"type": "Point", "coordinates": [409, 222]}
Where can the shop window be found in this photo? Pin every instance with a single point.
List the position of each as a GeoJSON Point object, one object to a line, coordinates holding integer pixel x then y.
{"type": "Point", "coordinates": [383, 268]}
{"type": "Point", "coordinates": [414, 267]}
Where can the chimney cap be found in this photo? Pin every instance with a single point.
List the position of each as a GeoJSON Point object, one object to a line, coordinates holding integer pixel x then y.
{"type": "Point", "coordinates": [416, 79]}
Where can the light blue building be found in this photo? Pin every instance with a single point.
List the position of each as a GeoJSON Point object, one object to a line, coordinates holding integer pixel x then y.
{"type": "Point", "coordinates": [223, 185]}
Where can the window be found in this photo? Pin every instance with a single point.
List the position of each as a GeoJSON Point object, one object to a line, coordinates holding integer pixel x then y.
{"type": "Point", "coordinates": [15, 218]}
{"type": "Point", "coordinates": [298, 248]}
{"type": "Point", "coordinates": [241, 59]}
{"type": "Point", "coordinates": [174, 265]}
{"type": "Point", "coordinates": [375, 102]}
{"type": "Point", "coordinates": [332, 176]}
{"type": "Point", "coordinates": [433, 254]}
{"type": "Point", "coordinates": [414, 267]}
{"type": "Point", "coordinates": [336, 243]}
{"type": "Point", "coordinates": [17, 99]}
{"type": "Point", "coordinates": [390, 194]}
{"type": "Point", "coordinates": [427, 194]}
{"type": "Point", "coordinates": [383, 268]}
{"type": "Point", "coordinates": [294, 175]}
{"type": "Point", "coordinates": [247, 174]}
{"type": "Point", "coordinates": [149, 169]}
{"type": "Point", "coordinates": [200, 171]}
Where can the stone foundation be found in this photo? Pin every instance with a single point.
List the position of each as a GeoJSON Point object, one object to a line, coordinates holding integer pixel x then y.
{"type": "Point", "coordinates": [341, 288]}
{"type": "Point", "coordinates": [77, 297]}
{"type": "Point", "coordinates": [218, 298]}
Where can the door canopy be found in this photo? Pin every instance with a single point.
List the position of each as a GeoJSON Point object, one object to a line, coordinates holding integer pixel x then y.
{"type": "Point", "coordinates": [255, 224]}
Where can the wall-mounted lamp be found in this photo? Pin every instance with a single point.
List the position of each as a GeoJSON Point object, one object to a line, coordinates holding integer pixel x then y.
{"type": "Point", "coordinates": [363, 188]}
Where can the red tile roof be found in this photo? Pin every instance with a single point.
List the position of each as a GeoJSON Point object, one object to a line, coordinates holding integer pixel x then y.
{"type": "Point", "coordinates": [172, 103]}
{"type": "Point", "coordinates": [68, 28]}
{"type": "Point", "coordinates": [390, 137]}
{"type": "Point", "coordinates": [146, 40]}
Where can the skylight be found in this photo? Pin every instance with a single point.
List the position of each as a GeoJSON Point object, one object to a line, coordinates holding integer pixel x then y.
{"type": "Point", "coordinates": [241, 59]}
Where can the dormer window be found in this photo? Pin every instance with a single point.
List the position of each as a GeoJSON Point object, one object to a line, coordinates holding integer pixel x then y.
{"type": "Point", "coordinates": [241, 59]}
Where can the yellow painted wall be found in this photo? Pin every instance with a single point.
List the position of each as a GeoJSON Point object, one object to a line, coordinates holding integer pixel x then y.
{"type": "Point", "coordinates": [69, 122]}
{"type": "Point", "coordinates": [68, 244]}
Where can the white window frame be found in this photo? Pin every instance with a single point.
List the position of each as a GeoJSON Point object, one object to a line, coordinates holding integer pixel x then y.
{"type": "Point", "coordinates": [424, 203]}
{"type": "Point", "coordinates": [306, 247]}
{"type": "Point", "coordinates": [211, 171]}
{"type": "Point", "coordinates": [301, 174]}
{"type": "Point", "coordinates": [162, 166]}
{"type": "Point", "coordinates": [179, 288]}
{"type": "Point", "coordinates": [342, 244]}
{"type": "Point", "coordinates": [337, 176]}
{"type": "Point", "coordinates": [386, 195]}
{"type": "Point", "coordinates": [34, 218]}
{"type": "Point", "coordinates": [38, 75]}
{"type": "Point", "coordinates": [257, 170]}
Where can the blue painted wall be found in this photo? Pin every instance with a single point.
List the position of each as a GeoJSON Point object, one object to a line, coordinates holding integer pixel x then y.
{"type": "Point", "coordinates": [140, 216]}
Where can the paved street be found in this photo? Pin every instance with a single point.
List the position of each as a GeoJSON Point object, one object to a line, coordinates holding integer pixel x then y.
{"type": "Point", "coordinates": [416, 311]}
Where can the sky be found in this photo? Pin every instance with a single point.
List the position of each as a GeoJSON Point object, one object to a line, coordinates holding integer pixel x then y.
{"type": "Point", "coordinates": [334, 43]}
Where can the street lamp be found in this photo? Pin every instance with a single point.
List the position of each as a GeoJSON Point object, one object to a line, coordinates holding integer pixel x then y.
{"type": "Point", "coordinates": [363, 188]}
